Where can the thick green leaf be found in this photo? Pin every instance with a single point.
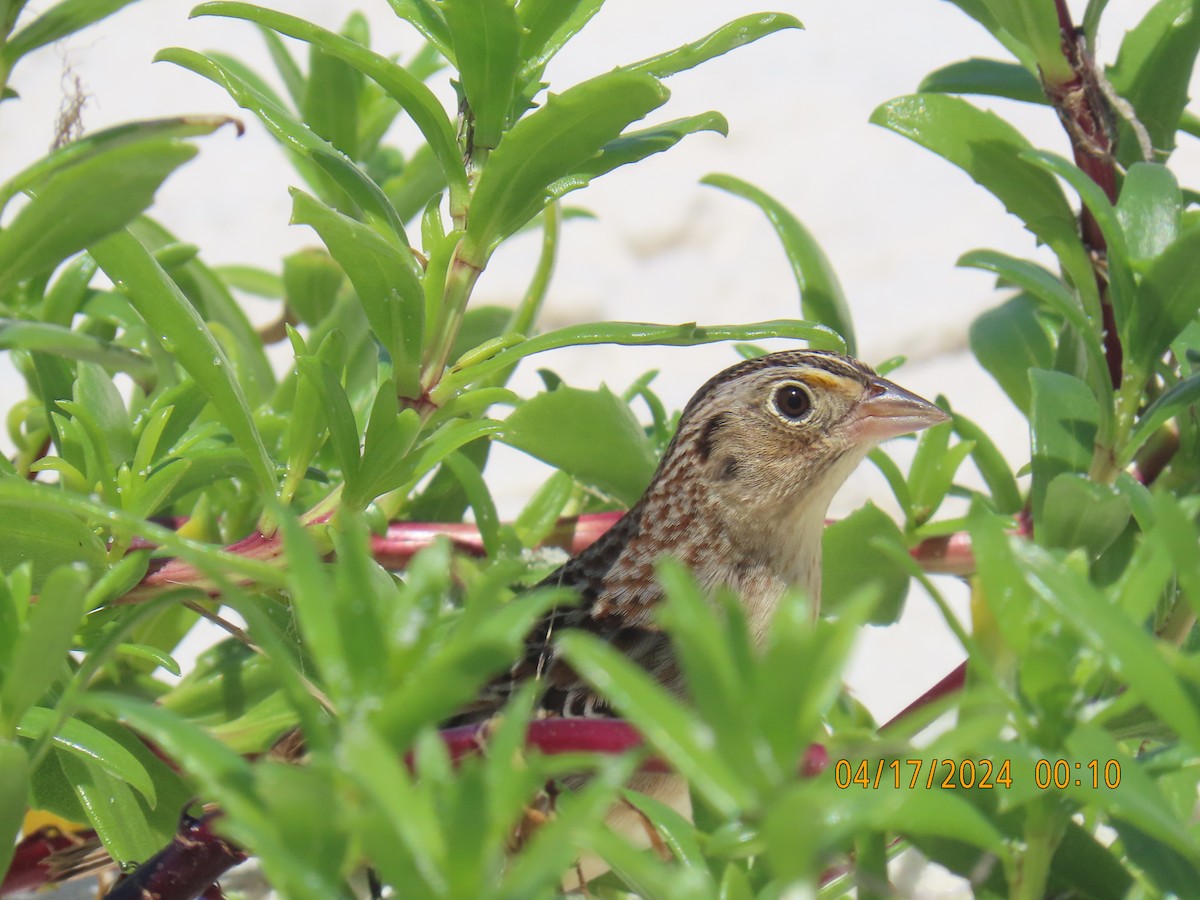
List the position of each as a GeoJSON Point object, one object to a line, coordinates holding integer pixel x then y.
{"type": "Point", "coordinates": [673, 731]}
{"type": "Point", "coordinates": [40, 654]}
{"type": "Point", "coordinates": [1136, 655]}
{"type": "Point", "coordinates": [851, 561]}
{"type": "Point", "coordinates": [728, 37]}
{"type": "Point", "coordinates": [988, 149]}
{"type": "Point", "coordinates": [989, 77]}
{"type": "Point", "coordinates": [547, 145]}
{"type": "Point", "coordinates": [1180, 397]}
{"type": "Point", "coordinates": [487, 41]}
{"type": "Point", "coordinates": [1152, 73]}
{"type": "Point", "coordinates": [85, 203]}
{"type": "Point", "coordinates": [90, 744]}
{"type": "Point", "coordinates": [47, 537]}
{"type": "Point", "coordinates": [1062, 420]}
{"type": "Point", "coordinates": [296, 136]}
{"type": "Point", "coordinates": [96, 393]}
{"type": "Point", "coordinates": [548, 25]}
{"type": "Point", "coordinates": [69, 344]}
{"type": "Point", "coordinates": [56, 23]}
{"type": "Point", "coordinates": [383, 277]}
{"type": "Point", "coordinates": [14, 791]}
{"type": "Point", "coordinates": [821, 296]}
{"type": "Point", "coordinates": [1082, 513]}
{"type": "Point", "coordinates": [403, 87]}
{"type": "Point", "coordinates": [182, 333]}
{"type": "Point", "coordinates": [633, 146]}
{"type": "Point", "coordinates": [1034, 24]}
{"type": "Point", "coordinates": [592, 435]}
{"type": "Point", "coordinates": [1168, 299]}
{"type": "Point", "coordinates": [1008, 342]}
{"type": "Point", "coordinates": [631, 334]}
{"type": "Point", "coordinates": [1148, 210]}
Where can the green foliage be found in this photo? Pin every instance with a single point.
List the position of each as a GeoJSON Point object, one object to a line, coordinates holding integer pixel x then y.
{"type": "Point", "coordinates": [153, 425]}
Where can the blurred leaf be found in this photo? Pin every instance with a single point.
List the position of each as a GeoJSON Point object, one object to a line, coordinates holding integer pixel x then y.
{"type": "Point", "coordinates": [1148, 210]}
{"type": "Point", "coordinates": [988, 149]}
{"type": "Point", "coordinates": [991, 463]}
{"type": "Point", "coordinates": [487, 39]}
{"type": "Point", "coordinates": [821, 296]}
{"type": "Point", "coordinates": [1062, 432]}
{"type": "Point", "coordinates": [1168, 299]}
{"type": "Point", "coordinates": [728, 37]}
{"type": "Point", "coordinates": [406, 89]}
{"type": "Point", "coordinates": [389, 437]}
{"type": "Point", "coordinates": [56, 23]}
{"type": "Point", "coordinates": [40, 654]}
{"type": "Point", "coordinates": [673, 731]}
{"type": "Point", "coordinates": [1152, 72]}
{"type": "Point", "coordinates": [311, 279]}
{"type": "Point", "coordinates": [1082, 513]}
{"type": "Point", "coordinates": [90, 744]}
{"type": "Point", "coordinates": [592, 435]}
{"type": "Point", "coordinates": [96, 393]}
{"type": "Point", "coordinates": [1111, 632]}
{"type": "Point", "coordinates": [14, 791]}
{"type": "Point", "coordinates": [48, 537]}
{"type": "Point", "coordinates": [252, 280]}
{"type": "Point", "coordinates": [852, 562]}
{"type": "Point", "coordinates": [85, 203]}
{"type": "Point", "coordinates": [548, 144]}
{"type": "Point", "coordinates": [177, 325]}
{"type": "Point", "coordinates": [633, 146]}
{"type": "Point", "coordinates": [69, 344]}
{"type": "Point", "coordinates": [383, 277]}
{"type": "Point", "coordinates": [298, 137]}
{"type": "Point", "coordinates": [426, 16]}
{"type": "Point", "coordinates": [989, 77]}
{"type": "Point", "coordinates": [636, 334]}
{"type": "Point", "coordinates": [548, 25]}
{"type": "Point", "coordinates": [330, 106]}
{"type": "Point", "coordinates": [1168, 405]}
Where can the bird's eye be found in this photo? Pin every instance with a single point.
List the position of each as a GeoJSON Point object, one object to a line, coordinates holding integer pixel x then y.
{"type": "Point", "coordinates": [792, 401]}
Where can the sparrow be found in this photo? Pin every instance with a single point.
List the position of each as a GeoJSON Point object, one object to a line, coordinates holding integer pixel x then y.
{"type": "Point", "coordinates": [740, 497]}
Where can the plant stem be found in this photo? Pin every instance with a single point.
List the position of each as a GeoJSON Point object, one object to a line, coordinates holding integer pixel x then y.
{"type": "Point", "coordinates": [1044, 825]}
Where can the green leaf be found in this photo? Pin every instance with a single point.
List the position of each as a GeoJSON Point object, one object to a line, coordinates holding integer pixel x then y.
{"type": "Point", "coordinates": [548, 25]}
{"type": "Point", "coordinates": [1135, 654]}
{"type": "Point", "coordinates": [294, 135]}
{"type": "Point", "coordinates": [181, 331]}
{"type": "Point", "coordinates": [1035, 25]}
{"type": "Point", "coordinates": [383, 277]}
{"type": "Point", "coordinates": [84, 203]}
{"type": "Point", "coordinates": [40, 654]}
{"type": "Point", "coordinates": [592, 435]}
{"type": "Point", "coordinates": [64, 342]}
{"type": "Point", "coordinates": [403, 87]}
{"type": "Point", "coordinates": [14, 791]}
{"type": "Point", "coordinates": [56, 23]}
{"type": "Point", "coordinates": [1180, 397]}
{"type": "Point", "coordinates": [47, 538]}
{"type": "Point", "coordinates": [1063, 432]}
{"type": "Point", "coordinates": [989, 77]}
{"type": "Point", "coordinates": [1168, 299]}
{"type": "Point", "coordinates": [389, 437]}
{"type": "Point", "coordinates": [851, 562]}
{"type": "Point", "coordinates": [311, 279]}
{"type": "Point", "coordinates": [821, 296]}
{"type": "Point", "coordinates": [95, 392]}
{"type": "Point", "coordinates": [991, 463]}
{"type": "Point", "coordinates": [1152, 72]}
{"type": "Point", "coordinates": [330, 106]}
{"type": "Point", "coordinates": [673, 731]}
{"type": "Point", "coordinates": [343, 430]}
{"type": "Point", "coordinates": [426, 16]}
{"type": "Point", "coordinates": [632, 334]}
{"type": "Point", "coordinates": [728, 37]}
{"type": "Point", "coordinates": [634, 146]}
{"type": "Point", "coordinates": [1148, 210]}
{"type": "Point", "coordinates": [988, 149]}
{"type": "Point", "coordinates": [548, 144]}
{"type": "Point", "coordinates": [1082, 513]}
{"type": "Point", "coordinates": [90, 744]}
{"type": "Point", "coordinates": [487, 38]}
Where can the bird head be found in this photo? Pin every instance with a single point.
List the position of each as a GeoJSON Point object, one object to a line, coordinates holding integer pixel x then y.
{"type": "Point", "coordinates": [773, 438]}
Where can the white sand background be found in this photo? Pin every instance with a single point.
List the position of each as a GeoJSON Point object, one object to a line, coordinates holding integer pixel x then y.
{"type": "Point", "coordinates": [892, 217]}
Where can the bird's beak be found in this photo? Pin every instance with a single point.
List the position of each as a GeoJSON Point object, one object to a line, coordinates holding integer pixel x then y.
{"type": "Point", "coordinates": [889, 411]}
